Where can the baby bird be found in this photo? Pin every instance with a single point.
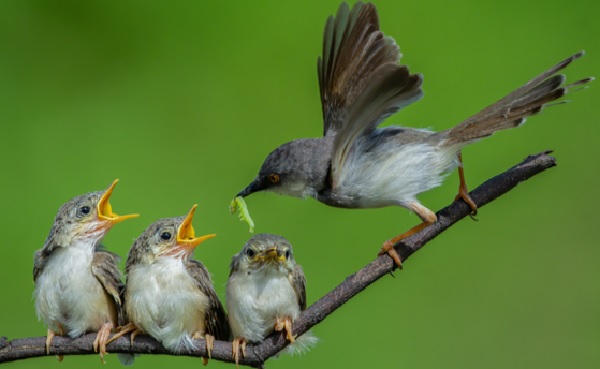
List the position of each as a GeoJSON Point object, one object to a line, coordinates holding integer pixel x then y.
{"type": "Point", "coordinates": [266, 292]}
{"type": "Point", "coordinates": [168, 295]}
{"type": "Point", "coordinates": [77, 283]}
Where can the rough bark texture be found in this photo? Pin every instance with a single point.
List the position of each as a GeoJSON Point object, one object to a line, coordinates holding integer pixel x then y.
{"type": "Point", "coordinates": [256, 355]}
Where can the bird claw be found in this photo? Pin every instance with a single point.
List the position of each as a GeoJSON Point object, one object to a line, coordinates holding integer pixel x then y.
{"type": "Point", "coordinates": [102, 340]}
{"type": "Point", "coordinates": [388, 247]}
{"type": "Point", "coordinates": [285, 323]}
{"type": "Point", "coordinates": [464, 195]}
{"type": "Point", "coordinates": [50, 335]}
{"type": "Point", "coordinates": [235, 349]}
{"type": "Point", "coordinates": [123, 330]}
{"type": "Point", "coordinates": [463, 192]}
{"type": "Point", "coordinates": [210, 344]}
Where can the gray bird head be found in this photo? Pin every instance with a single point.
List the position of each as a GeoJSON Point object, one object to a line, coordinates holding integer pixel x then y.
{"type": "Point", "coordinates": [84, 219]}
{"type": "Point", "coordinates": [298, 168]}
{"type": "Point", "coordinates": [170, 237]}
{"type": "Point", "coordinates": [264, 251]}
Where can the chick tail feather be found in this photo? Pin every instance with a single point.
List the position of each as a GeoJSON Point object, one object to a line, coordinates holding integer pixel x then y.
{"type": "Point", "coordinates": [126, 359]}
{"type": "Point", "coordinates": [302, 345]}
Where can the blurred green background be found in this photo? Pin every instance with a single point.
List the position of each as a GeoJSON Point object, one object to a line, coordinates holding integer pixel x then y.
{"type": "Point", "coordinates": [183, 100]}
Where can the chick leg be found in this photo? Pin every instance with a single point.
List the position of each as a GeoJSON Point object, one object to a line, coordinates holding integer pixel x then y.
{"type": "Point", "coordinates": [102, 339]}
{"type": "Point", "coordinates": [427, 216]}
{"type": "Point", "coordinates": [463, 192]}
{"type": "Point", "coordinates": [49, 336]}
{"type": "Point", "coordinates": [210, 344]}
{"type": "Point", "coordinates": [128, 328]}
{"type": "Point", "coordinates": [285, 323]}
{"type": "Point", "coordinates": [238, 343]}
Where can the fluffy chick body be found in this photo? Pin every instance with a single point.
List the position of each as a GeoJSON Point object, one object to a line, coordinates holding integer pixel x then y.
{"type": "Point", "coordinates": [164, 301]}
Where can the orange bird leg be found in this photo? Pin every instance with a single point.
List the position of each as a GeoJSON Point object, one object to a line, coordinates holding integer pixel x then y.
{"type": "Point", "coordinates": [238, 343]}
{"type": "Point", "coordinates": [102, 339]}
{"type": "Point", "coordinates": [427, 216]}
{"type": "Point", "coordinates": [50, 335]}
{"type": "Point", "coordinates": [285, 323]}
{"type": "Point", "coordinates": [463, 192]}
{"type": "Point", "coordinates": [121, 331]}
{"type": "Point", "coordinates": [49, 338]}
{"type": "Point", "coordinates": [210, 344]}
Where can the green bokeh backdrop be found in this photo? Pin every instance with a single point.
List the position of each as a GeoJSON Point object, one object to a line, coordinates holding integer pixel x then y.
{"type": "Point", "coordinates": [183, 100]}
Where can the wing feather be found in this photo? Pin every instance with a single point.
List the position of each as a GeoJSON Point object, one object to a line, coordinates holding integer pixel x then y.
{"type": "Point", "coordinates": [216, 319]}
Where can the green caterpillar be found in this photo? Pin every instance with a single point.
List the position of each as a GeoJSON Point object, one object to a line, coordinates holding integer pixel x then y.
{"type": "Point", "coordinates": [238, 204]}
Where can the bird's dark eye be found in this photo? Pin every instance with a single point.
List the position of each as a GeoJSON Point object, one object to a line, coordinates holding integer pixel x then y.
{"type": "Point", "coordinates": [273, 178]}
{"type": "Point", "coordinates": [83, 211]}
{"type": "Point", "coordinates": [165, 236]}
{"type": "Point", "coordinates": [287, 254]}
{"type": "Point", "coordinates": [250, 252]}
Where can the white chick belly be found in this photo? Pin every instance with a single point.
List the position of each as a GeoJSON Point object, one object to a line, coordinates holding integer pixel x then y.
{"type": "Point", "coordinates": [69, 296]}
{"type": "Point", "coordinates": [164, 301]}
{"type": "Point", "coordinates": [255, 302]}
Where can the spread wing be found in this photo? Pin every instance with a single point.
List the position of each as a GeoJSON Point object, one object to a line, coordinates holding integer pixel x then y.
{"type": "Point", "coordinates": [360, 79]}
{"type": "Point", "coordinates": [216, 319]}
{"type": "Point", "coordinates": [354, 49]}
{"type": "Point", "coordinates": [299, 283]}
{"type": "Point", "coordinates": [105, 269]}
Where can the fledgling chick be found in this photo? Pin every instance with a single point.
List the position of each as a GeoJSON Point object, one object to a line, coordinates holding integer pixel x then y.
{"type": "Point", "coordinates": [266, 291]}
{"type": "Point", "coordinates": [77, 283]}
{"type": "Point", "coordinates": [358, 165]}
{"type": "Point", "coordinates": [168, 295]}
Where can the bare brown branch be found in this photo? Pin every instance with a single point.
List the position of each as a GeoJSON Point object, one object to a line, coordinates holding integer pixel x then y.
{"type": "Point", "coordinates": [257, 354]}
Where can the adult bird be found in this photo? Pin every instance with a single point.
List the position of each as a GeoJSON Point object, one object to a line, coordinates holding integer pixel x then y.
{"type": "Point", "coordinates": [169, 295]}
{"type": "Point", "coordinates": [357, 165]}
{"type": "Point", "coordinates": [78, 283]}
{"type": "Point", "coordinates": [266, 291]}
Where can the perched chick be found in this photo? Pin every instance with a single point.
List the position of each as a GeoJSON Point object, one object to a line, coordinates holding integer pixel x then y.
{"type": "Point", "coordinates": [77, 284]}
{"type": "Point", "coordinates": [266, 291]}
{"type": "Point", "coordinates": [168, 295]}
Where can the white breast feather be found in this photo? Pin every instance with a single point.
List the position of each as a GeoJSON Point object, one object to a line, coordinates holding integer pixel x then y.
{"type": "Point", "coordinates": [397, 178]}
{"type": "Point", "coordinates": [164, 301]}
{"type": "Point", "coordinates": [67, 292]}
{"type": "Point", "coordinates": [255, 301]}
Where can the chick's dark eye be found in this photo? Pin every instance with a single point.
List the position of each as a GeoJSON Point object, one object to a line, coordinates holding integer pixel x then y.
{"type": "Point", "coordinates": [250, 252]}
{"type": "Point", "coordinates": [165, 235]}
{"type": "Point", "coordinates": [287, 254]}
{"type": "Point", "coordinates": [85, 209]}
{"type": "Point", "coordinates": [273, 178]}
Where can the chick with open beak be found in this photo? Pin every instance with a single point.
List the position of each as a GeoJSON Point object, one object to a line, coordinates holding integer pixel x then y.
{"type": "Point", "coordinates": [169, 295]}
{"type": "Point", "coordinates": [266, 292]}
{"type": "Point", "coordinates": [77, 283]}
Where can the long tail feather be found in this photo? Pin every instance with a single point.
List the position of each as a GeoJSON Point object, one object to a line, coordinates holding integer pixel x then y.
{"type": "Point", "coordinates": [514, 108]}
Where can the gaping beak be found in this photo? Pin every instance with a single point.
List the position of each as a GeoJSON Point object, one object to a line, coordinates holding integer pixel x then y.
{"type": "Point", "coordinates": [186, 238]}
{"type": "Point", "coordinates": [254, 186]}
{"type": "Point", "coordinates": [105, 209]}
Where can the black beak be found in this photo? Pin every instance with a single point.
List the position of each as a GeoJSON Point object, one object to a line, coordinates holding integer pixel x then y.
{"type": "Point", "coordinates": [254, 186]}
